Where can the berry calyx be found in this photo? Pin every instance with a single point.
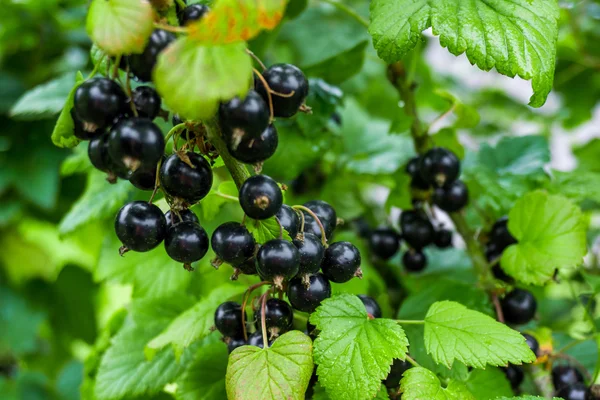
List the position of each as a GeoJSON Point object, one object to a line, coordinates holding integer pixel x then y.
{"type": "Point", "coordinates": [439, 166]}
{"type": "Point", "coordinates": [141, 65]}
{"type": "Point", "coordinates": [311, 252]}
{"type": "Point", "coordinates": [576, 391]}
{"type": "Point", "coordinates": [442, 238]}
{"type": "Point", "coordinates": [232, 243]}
{"type": "Point", "coordinates": [451, 197]}
{"type": "Point", "coordinates": [371, 305]}
{"type": "Point", "coordinates": [277, 260]}
{"type": "Point", "coordinates": [384, 243]}
{"type": "Point", "coordinates": [260, 197]}
{"type": "Point", "coordinates": [518, 306]}
{"type": "Point", "coordinates": [193, 12]}
{"type": "Point", "coordinates": [98, 102]}
{"type": "Point", "coordinates": [181, 216]}
{"type": "Point", "coordinates": [341, 262]}
{"type": "Point", "coordinates": [79, 129]}
{"type": "Point", "coordinates": [515, 375]}
{"type": "Point", "coordinates": [533, 344]}
{"type": "Point", "coordinates": [290, 87]}
{"type": "Point", "coordinates": [228, 319]}
{"type": "Point", "coordinates": [147, 102]}
{"type": "Point", "coordinates": [565, 375]}
{"type": "Point", "coordinates": [417, 231]}
{"type": "Point", "coordinates": [140, 226]}
{"type": "Point", "coordinates": [136, 143]}
{"type": "Point", "coordinates": [308, 298]}
{"type": "Point", "coordinates": [414, 260]}
{"type": "Point", "coordinates": [245, 118]}
{"type": "Point", "coordinates": [255, 150]}
{"type": "Point", "coordinates": [326, 214]}
{"type": "Point", "coordinates": [183, 181]}
{"type": "Point", "coordinates": [278, 317]}
{"type": "Point", "coordinates": [289, 219]}
{"type": "Point", "coordinates": [186, 242]}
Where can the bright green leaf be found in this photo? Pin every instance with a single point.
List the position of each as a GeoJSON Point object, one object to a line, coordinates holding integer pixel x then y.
{"type": "Point", "coordinates": [45, 100]}
{"type": "Point", "coordinates": [420, 383]}
{"type": "Point", "coordinates": [266, 229]}
{"type": "Point", "coordinates": [62, 135]}
{"type": "Point", "coordinates": [488, 384]}
{"type": "Point", "coordinates": [212, 204]}
{"type": "Point", "coordinates": [577, 185]}
{"type": "Point", "coordinates": [587, 155]}
{"type": "Point", "coordinates": [339, 67]}
{"type": "Point", "coordinates": [77, 162]}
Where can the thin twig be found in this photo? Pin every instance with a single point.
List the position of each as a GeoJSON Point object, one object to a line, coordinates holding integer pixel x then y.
{"type": "Point", "coordinates": [312, 214]}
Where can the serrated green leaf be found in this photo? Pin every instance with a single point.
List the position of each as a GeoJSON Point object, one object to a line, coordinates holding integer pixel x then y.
{"type": "Point", "coordinates": [551, 234]}
{"type": "Point", "coordinates": [266, 229]}
{"type": "Point", "coordinates": [45, 100]}
{"type": "Point", "coordinates": [350, 340]}
{"type": "Point", "coordinates": [192, 324]}
{"type": "Point", "coordinates": [488, 384]}
{"type": "Point", "coordinates": [281, 371]}
{"type": "Point", "coordinates": [62, 135]}
{"type": "Point", "coordinates": [420, 383]}
{"type": "Point", "coordinates": [193, 79]}
{"type": "Point", "coordinates": [577, 185]}
{"type": "Point", "coordinates": [516, 37]}
{"type": "Point", "coordinates": [453, 332]}
{"type": "Point", "coordinates": [212, 203]}
{"type": "Point", "coordinates": [521, 155]}
{"type": "Point", "coordinates": [120, 26]}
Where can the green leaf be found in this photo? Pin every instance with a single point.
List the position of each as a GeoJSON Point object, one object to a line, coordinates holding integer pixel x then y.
{"type": "Point", "coordinates": [516, 37]}
{"type": "Point", "coordinates": [120, 26]}
{"type": "Point", "coordinates": [281, 371]}
{"type": "Point", "coordinates": [551, 234]}
{"type": "Point", "coordinates": [452, 331]}
{"type": "Point", "coordinates": [488, 384]}
{"type": "Point", "coordinates": [466, 116]}
{"type": "Point", "coordinates": [20, 324]}
{"type": "Point", "coordinates": [577, 185]}
{"type": "Point", "coordinates": [587, 155]}
{"type": "Point", "coordinates": [323, 99]}
{"type": "Point", "coordinates": [522, 155]}
{"type": "Point", "coordinates": [401, 195]}
{"type": "Point", "coordinates": [62, 135]}
{"type": "Point", "coordinates": [45, 100]}
{"type": "Point", "coordinates": [77, 162]}
{"type": "Point", "coordinates": [420, 383]}
{"type": "Point", "coordinates": [340, 67]}
{"type": "Point", "coordinates": [192, 324]}
{"type": "Point", "coordinates": [448, 138]}
{"type": "Point", "coordinates": [266, 229]}
{"type": "Point", "coordinates": [193, 79]}
{"type": "Point", "coordinates": [349, 340]}
{"type": "Point", "coordinates": [212, 204]}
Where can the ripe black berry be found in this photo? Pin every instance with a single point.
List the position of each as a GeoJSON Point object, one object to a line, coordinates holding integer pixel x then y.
{"type": "Point", "coordinates": [289, 219]}
{"type": "Point", "coordinates": [143, 179]}
{"type": "Point", "coordinates": [518, 306]}
{"type": "Point", "coordinates": [499, 273]}
{"type": "Point", "coordinates": [186, 242]}
{"type": "Point", "coordinates": [232, 243]}
{"type": "Point", "coordinates": [439, 166]}
{"type": "Point", "coordinates": [565, 375]}
{"type": "Point", "coordinates": [234, 343]}
{"type": "Point", "coordinates": [576, 391]}
{"type": "Point", "coordinates": [98, 102]}
{"type": "Point", "coordinates": [147, 102]}
{"type": "Point", "coordinates": [256, 339]}
{"type": "Point", "coordinates": [532, 342]}
{"type": "Point", "coordinates": [256, 150]}
{"type": "Point", "coordinates": [184, 216]}
{"type": "Point", "coordinates": [311, 252]}
{"type": "Point", "coordinates": [341, 262]}
{"type": "Point", "coordinates": [500, 237]}
{"type": "Point", "coordinates": [442, 238]}
{"type": "Point", "coordinates": [244, 118]}
{"type": "Point", "coordinates": [278, 317]}
{"type": "Point", "coordinates": [308, 299]}
{"type": "Point", "coordinates": [326, 214]}
{"type": "Point", "coordinates": [371, 305]}
{"type": "Point", "coordinates": [136, 143]}
{"type": "Point", "coordinates": [79, 130]}
{"type": "Point", "coordinates": [398, 368]}
{"type": "Point", "coordinates": [180, 180]}
{"type": "Point", "coordinates": [284, 79]}
{"type": "Point", "coordinates": [451, 197]}
{"type": "Point", "coordinates": [260, 197]}
{"type": "Point", "coordinates": [384, 242]}
{"type": "Point", "coordinates": [515, 375]}
{"type": "Point", "coordinates": [140, 226]}
{"type": "Point", "coordinates": [414, 260]}
{"type": "Point", "coordinates": [228, 319]}
{"type": "Point", "coordinates": [191, 13]}
{"type": "Point", "coordinates": [98, 153]}
{"type": "Point", "coordinates": [417, 231]}
{"type": "Point", "coordinates": [277, 260]}
{"type": "Point", "coordinates": [412, 169]}
{"type": "Point", "coordinates": [248, 267]}
{"type": "Point", "coordinates": [141, 65]}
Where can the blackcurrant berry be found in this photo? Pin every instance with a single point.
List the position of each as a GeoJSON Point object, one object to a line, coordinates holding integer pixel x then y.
{"type": "Point", "coordinates": [260, 197]}
{"type": "Point", "coordinates": [193, 12]}
{"type": "Point", "coordinates": [248, 267]}
{"type": "Point", "coordinates": [576, 391]}
{"type": "Point", "coordinates": [256, 150]}
{"type": "Point", "coordinates": [180, 180]}
{"type": "Point", "coordinates": [311, 253]}
{"type": "Point", "coordinates": [140, 226]}
{"type": "Point", "coordinates": [256, 339]}
{"type": "Point", "coordinates": [371, 305]}
{"type": "Point", "coordinates": [245, 118]}
{"type": "Point", "coordinates": [500, 236]}
{"type": "Point", "coordinates": [98, 153]}
{"type": "Point", "coordinates": [277, 260]}
{"type": "Point", "coordinates": [414, 260]}
{"type": "Point", "coordinates": [289, 219]}
{"type": "Point", "coordinates": [305, 298]}
{"type": "Point", "coordinates": [136, 143]}
{"type": "Point", "coordinates": [141, 65]}
{"type": "Point", "coordinates": [361, 225]}
{"type": "Point", "coordinates": [288, 80]}
{"type": "Point", "coordinates": [565, 375]}
{"type": "Point", "coordinates": [451, 197]}
{"type": "Point", "coordinates": [341, 262]}
{"type": "Point", "coordinates": [439, 166]}
{"type": "Point", "coordinates": [326, 214]}
{"type": "Point", "coordinates": [518, 306]}
{"type": "Point", "coordinates": [228, 319]}
{"type": "Point", "coordinates": [515, 375]}
{"type": "Point", "coordinates": [186, 242]}
{"type": "Point", "coordinates": [143, 179]}
{"type": "Point", "coordinates": [234, 343]}
{"type": "Point", "coordinates": [278, 317]}
{"type": "Point", "coordinates": [409, 216]}
{"type": "Point", "coordinates": [79, 130]}
{"type": "Point", "coordinates": [442, 238]}
{"type": "Point", "coordinates": [232, 243]}
{"type": "Point", "coordinates": [183, 216]}
{"type": "Point", "coordinates": [147, 102]}
{"type": "Point", "coordinates": [417, 231]}
{"type": "Point", "coordinates": [398, 368]}
{"type": "Point", "coordinates": [499, 274]}
{"type": "Point", "coordinates": [98, 102]}
{"type": "Point", "coordinates": [533, 344]}
{"type": "Point", "coordinates": [412, 169]}
{"type": "Point", "coordinates": [384, 242]}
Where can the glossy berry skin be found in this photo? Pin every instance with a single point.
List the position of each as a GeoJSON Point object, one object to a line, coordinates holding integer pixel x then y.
{"type": "Point", "coordinates": [98, 153]}
{"type": "Point", "coordinates": [256, 339]}
{"type": "Point", "coordinates": [248, 267]}
{"type": "Point", "coordinates": [193, 12]}
{"type": "Point", "coordinates": [186, 242]}
{"type": "Point", "coordinates": [565, 375]}
{"type": "Point", "coordinates": [371, 305]}
{"type": "Point", "coordinates": [384, 243]}
{"type": "Point", "coordinates": [499, 274]}
{"type": "Point", "coordinates": [308, 299]}
{"type": "Point", "coordinates": [442, 238]}
{"type": "Point", "coordinates": [518, 306]}
{"type": "Point", "coordinates": [341, 262]}
{"type": "Point", "coordinates": [260, 197]}
{"type": "Point", "coordinates": [144, 179]}
{"type": "Point", "coordinates": [140, 226]}
{"type": "Point", "coordinates": [398, 368]}
{"type": "Point", "coordinates": [136, 143]}
{"type": "Point", "coordinates": [326, 214]}
{"type": "Point", "coordinates": [141, 65]}
{"type": "Point", "coordinates": [451, 197]}
{"type": "Point", "coordinates": [228, 319]}
{"type": "Point", "coordinates": [515, 375]}
{"type": "Point", "coordinates": [289, 219]}
{"type": "Point", "coordinates": [277, 258]}
{"type": "Point", "coordinates": [576, 391]}
{"type": "Point", "coordinates": [439, 166]}
{"type": "Point", "coordinates": [278, 316]}
{"type": "Point", "coordinates": [256, 150]}
{"type": "Point", "coordinates": [311, 252]}
{"type": "Point", "coordinates": [245, 118]}
{"type": "Point", "coordinates": [180, 180]}
{"type": "Point", "coordinates": [412, 169]}
{"type": "Point", "coordinates": [234, 343]}
{"type": "Point", "coordinates": [99, 101]}
{"type": "Point", "coordinates": [533, 344]}
{"type": "Point", "coordinates": [184, 216]}
{"type": "Point", "coordinates": [500, 236]}
{"type": "Point", "coordinates": [232, 243]}
{"type": "Point", "coordinates": [417, 231]}
{"type": "Point", "coordinates": [147, 102]}
{"type": "Point", "coordinates": [80, 132]}
{"type": "Point", "coordinates": [284, 79]}
{"type": "Point", "coordinates": [414, 260]}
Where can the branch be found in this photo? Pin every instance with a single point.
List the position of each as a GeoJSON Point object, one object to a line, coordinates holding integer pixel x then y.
{"type": "Point", "coordinates": [473, 247]}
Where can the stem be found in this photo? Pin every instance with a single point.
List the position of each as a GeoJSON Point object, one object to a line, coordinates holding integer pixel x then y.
{"type": "Point", "coordinates": [255, 57]}
{"type": "Point", "coordinates": [498, 307]}
{"type": "Point", "coordinates": [263, 319]}
{"type": "Point", "coordinates": [350, 12]}
{"type": "Point", "coordinates": [312, 214]}
{"type": "Point", "coordinates": [280, 228]}
{"type": "Point", "coordinates": [442, 116]}
{"type": "Point", "coordinates": [410, 321]}
{"type": "Point", "coordinates": [412, 361]}
{"type": "Point", "coordinates": [170, 28]}
{"type": "Point", "coordinates": [542, 381]}
{"type": "Point", "coordinates": [226, 196]}
{"type": "Point", "coordinates": [238, 171]}
{"type": "Point", "coordinates": [96, 67]}
{"type": "Point", "coordinates": [245, 301]}
{"type": "Point", "coordinates": [181, 4]}
{"type": "Point", "coordinates": [473, 248]}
